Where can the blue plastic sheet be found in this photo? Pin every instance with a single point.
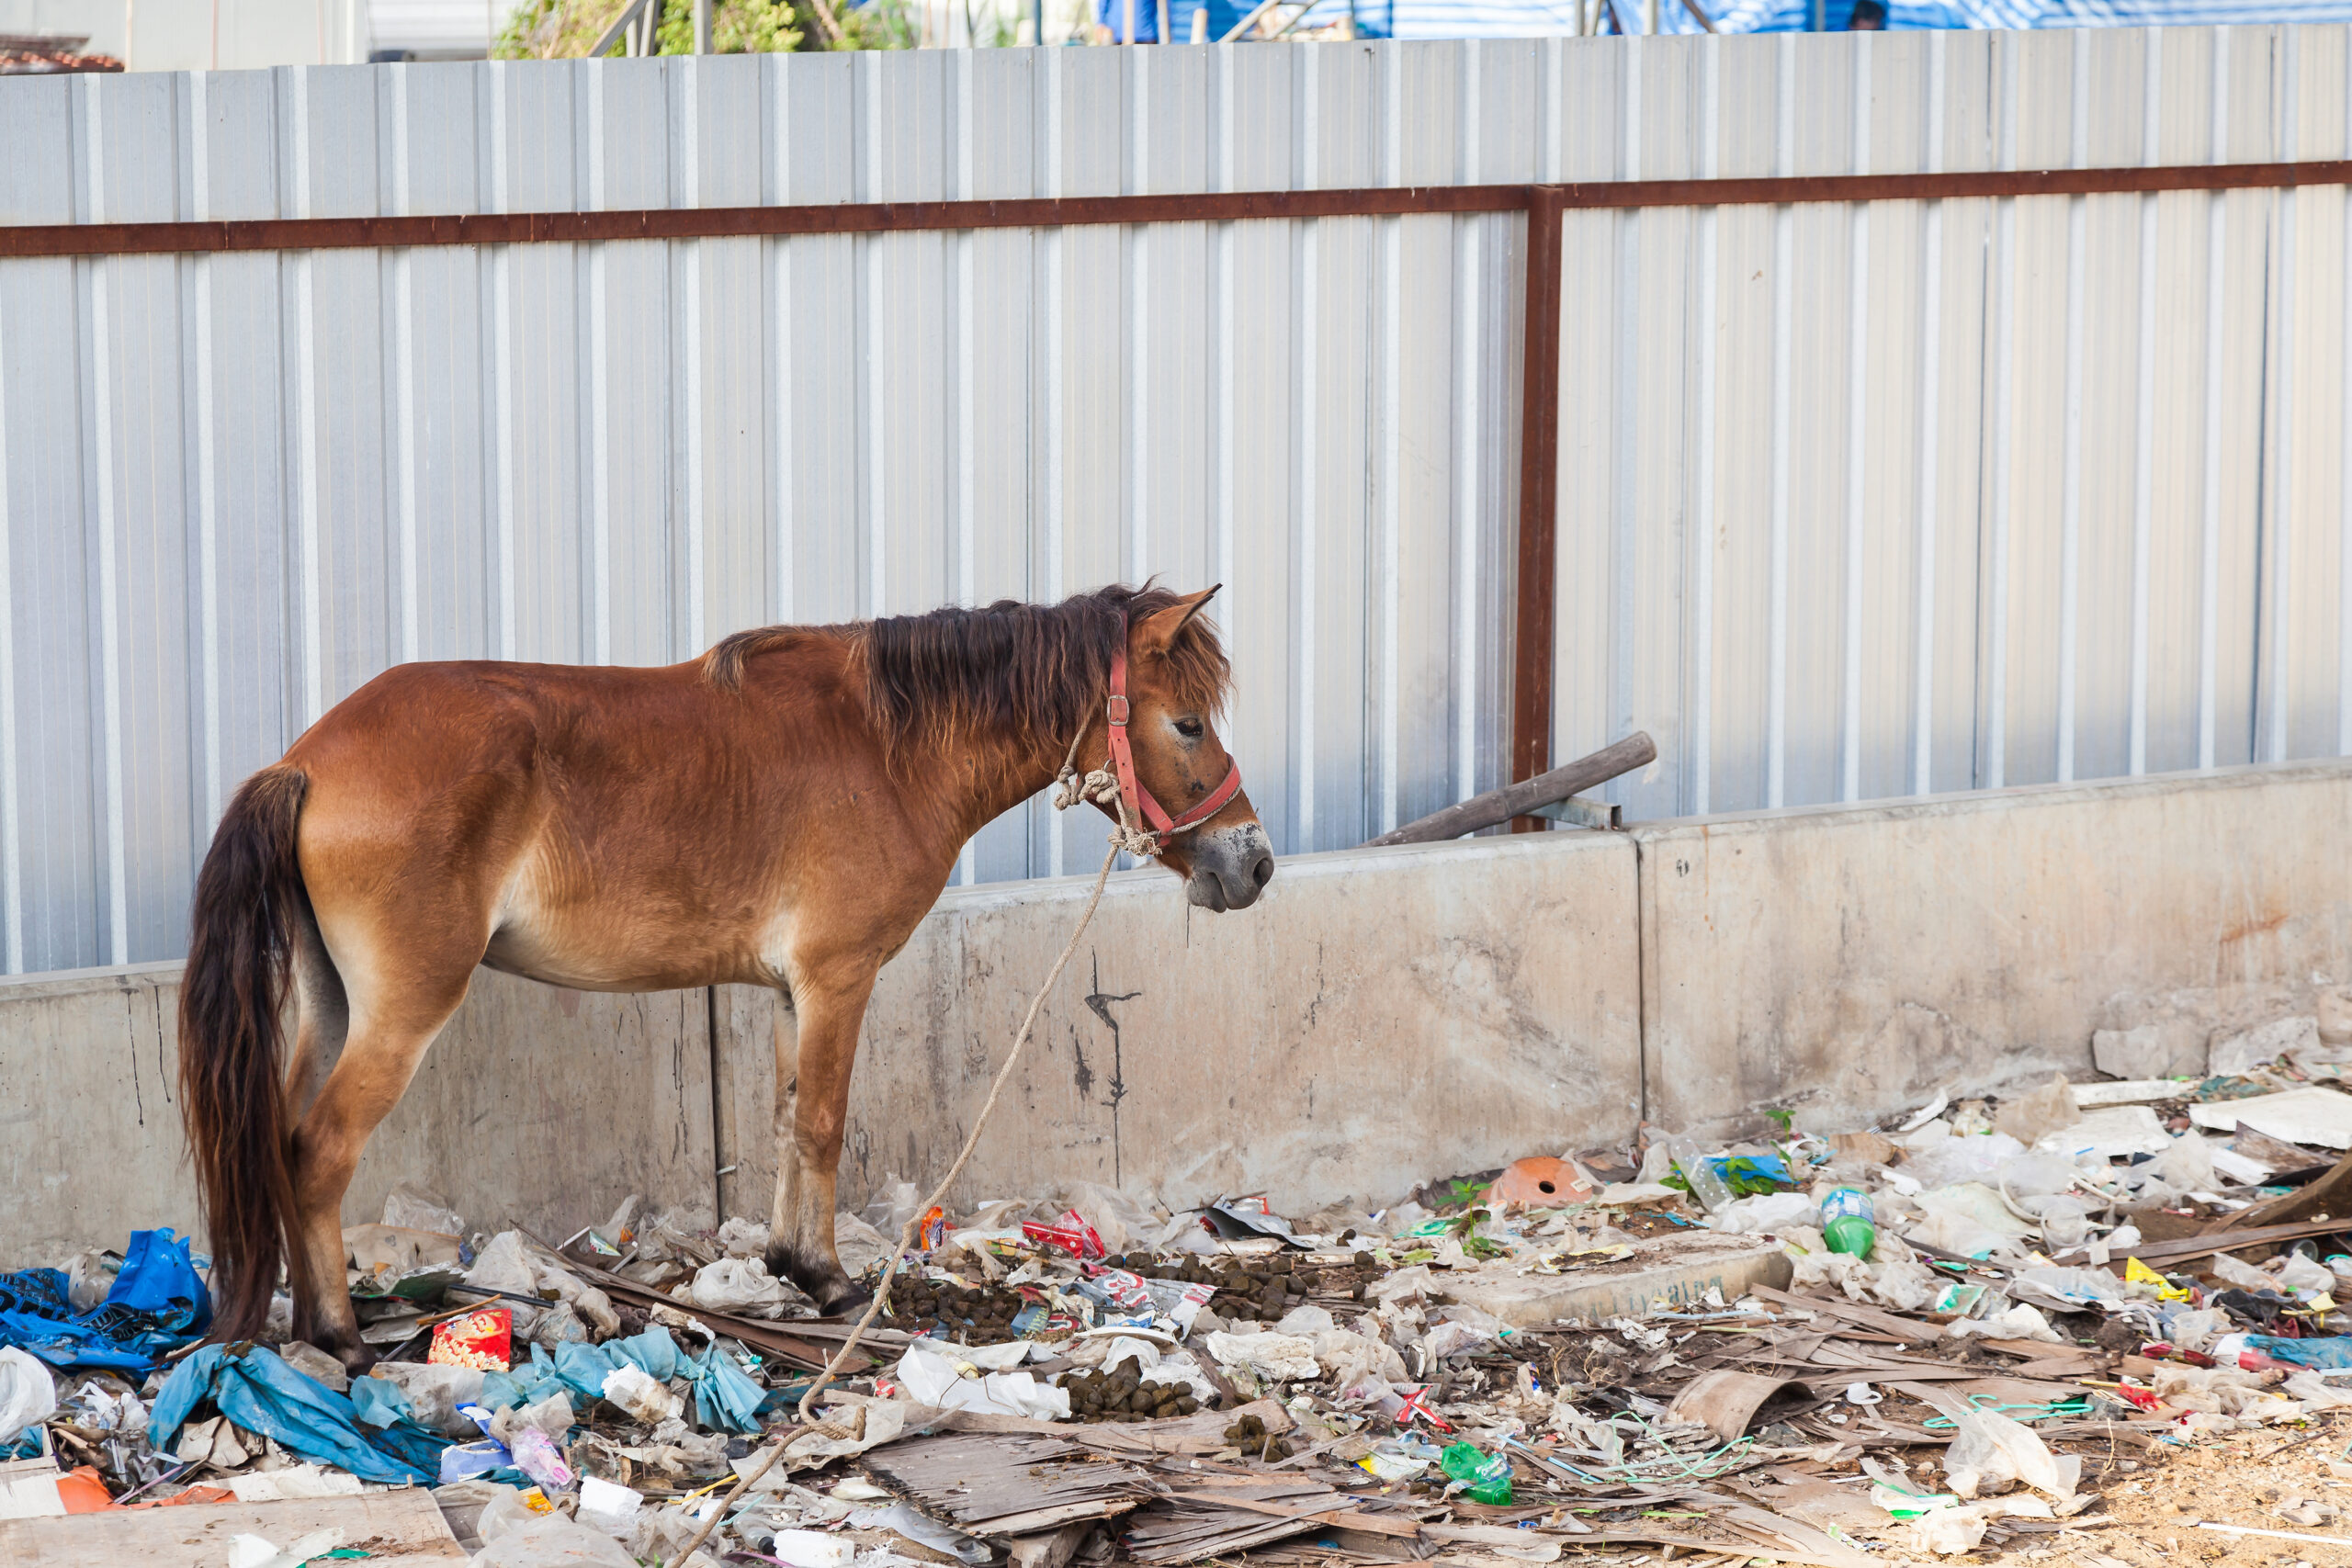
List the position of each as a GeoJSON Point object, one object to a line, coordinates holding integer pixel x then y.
{"type": "Point", "coordinates": [2325, 1353]}
{"type": "Point", "coordinates": [260, 1392]}
{"type": "Point", "coordinates": [157, 1304]}
{"type": "Point", "coordinates": [724, 1396]}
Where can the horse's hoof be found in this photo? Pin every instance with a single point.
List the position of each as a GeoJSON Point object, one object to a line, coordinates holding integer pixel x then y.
{"type": "Point", "coordinates": [848, 1300]}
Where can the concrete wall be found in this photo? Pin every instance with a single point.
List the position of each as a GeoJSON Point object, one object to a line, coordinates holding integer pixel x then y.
{"type": "Point", "coordinates": [1849, 961]}
{"type": "Point", "coordinates": [536, 1107]}
{"type": "Point", "coordinates": [1378, 1019]}
{"type": "Point", "coordinates": [1382, 1017]}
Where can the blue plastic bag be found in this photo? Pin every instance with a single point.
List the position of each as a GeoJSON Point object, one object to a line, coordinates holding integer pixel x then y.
{"type": "Point", "coordinates": [526, 1385]}
{"type": "Point", "coordinates": [260, 1392]}
{"type": "Point", "coordinates": [724, 1396]}
{"type": "Point", "coordinates": [157, 1304]}
{"type": "Point", "coordinates": [2326, 1353]}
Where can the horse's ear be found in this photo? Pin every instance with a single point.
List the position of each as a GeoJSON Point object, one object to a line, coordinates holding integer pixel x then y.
{"type": "Point", "coordinates": [1156, 633]}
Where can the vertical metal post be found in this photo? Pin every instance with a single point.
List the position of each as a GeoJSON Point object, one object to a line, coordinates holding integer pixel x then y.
{"type": "Point", "coordinates": [702, 27]}
{"type": "Point", "coordinates": [1539, 472]}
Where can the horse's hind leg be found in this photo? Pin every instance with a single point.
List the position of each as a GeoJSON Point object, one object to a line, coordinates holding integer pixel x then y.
{"type": "Point", "coordinates": [389, 1035]}
{"type": "Point", "coordinates": [321, 1017]}
{"type": "Point", "coordinates": [811, 1110]}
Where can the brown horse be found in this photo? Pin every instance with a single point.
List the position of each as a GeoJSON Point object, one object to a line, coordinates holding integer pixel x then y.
{"type": "Point", "coordinates": [779, 812]}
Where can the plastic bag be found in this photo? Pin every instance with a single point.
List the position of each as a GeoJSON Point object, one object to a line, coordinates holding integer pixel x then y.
{"type": "Point", "coordinates": [552, 1416]}
{"type": "Point", "coordinates": [88, 1278]}
{"type": "Point", "coordinates": [640, 1396]}
{"type": "Point", "coordinates": [2245, 1275]}
{"type": "Point", "coordinates": [2033, 1116]}
{"type": "Point", "coordinates": [550, 1540]}
{"type": "Point", "coordinates": [2066, 1289]}
{"type": "Point", "coordinates": [1937, 1158]}
{"type": "Point", "coordinates": [2018, 1321]}
{"type": "Point", "coordinates": [743, 1238]}
{"type": "Point", "coordinates": [933, 1377]}
{"type": "Point", "coordinates": [1989, 1450]}
{"type": "Point", "coordinates": [2304, 1277]}
{"type": "Point", "coordinates": [741, 1286]}
{"type": "Point", "coordinates": [2196, 1330]}
{"type": "Point", "coordinates": [903, 1518]}
{"type": "Point", "coordinates": [858, 1244]}
{"type": "Point", "coordinates": [535, 1457]}
{"type": "Point", "coordinates": [1771, 1214]}
{"type": "Point", "coordinates": [1485, 1479]}
{"type": "Point", "coordinates": [1284, 1357]}
{"type": "Point", "coordinates": [1119, 1220]}
{"type": "Point", "coordinates": [27, 1394]}
{"type": "Point", "coordinates": [434, 1393]}
{"type": "Point", "coordinates": [409, 1209]}
{"type": "Point", "coordinates": [892, 1206]}
{"type": "Point", "coordinates": [259, 1392]}
{"type": "Point", "coordinates": [1946, 1531]}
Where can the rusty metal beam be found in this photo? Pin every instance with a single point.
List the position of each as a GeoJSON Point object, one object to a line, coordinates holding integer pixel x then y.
{"type": "Point", "coordinates": [896, 216]}
{"type": "Point", "coordinates": [711, 222]}
{"type": "Point", "coordinates": [1539, 473]}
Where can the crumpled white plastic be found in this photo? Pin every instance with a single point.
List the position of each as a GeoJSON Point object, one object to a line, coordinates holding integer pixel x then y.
{"type": "Point", "coordinates": [644, 1398]}
{"type": "Point", "coordinates": [2019, 1321]}
{"type": "Point", "coordinates": [740, 1238]}
{"type": "Point", "coordinates": [1766, 1213]}
{"type": "Point", "coordinates": [1988, 1446]}
{"type": "Point", "coordinates": [27, 1392]}
{"type": "Point", "coordinates": [260, 1551]}
{"type": "Point", "coordinates": [741, 1286]}
{"type": "Point", "coordinates": [944, 1378]}
{"type": "Point", "coordinates": [1286, 1358]}
{"type": "Point", "coordinates": [513, 1264]}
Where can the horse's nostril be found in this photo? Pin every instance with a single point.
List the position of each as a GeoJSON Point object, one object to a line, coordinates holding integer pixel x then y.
{"type": "Point", "coordinates": [1263, 872]}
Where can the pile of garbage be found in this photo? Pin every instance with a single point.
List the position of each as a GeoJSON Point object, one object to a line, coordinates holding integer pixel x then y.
{"type": "Point", "coordinates": [1951, 1332]}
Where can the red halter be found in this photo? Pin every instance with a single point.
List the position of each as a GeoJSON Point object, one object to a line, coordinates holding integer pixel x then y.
{"type": "Point", "coordinates": [1123, 763]}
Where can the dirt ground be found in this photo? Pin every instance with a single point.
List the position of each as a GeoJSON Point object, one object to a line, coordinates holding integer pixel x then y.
{"type": "Point", "coordinates": [2154, 1498]}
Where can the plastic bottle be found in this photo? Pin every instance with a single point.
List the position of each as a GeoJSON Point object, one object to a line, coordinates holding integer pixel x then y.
{"type": "Point", "coordinates": [1488, 1479]}
{"type": "Point", "coordinates": [1849, 1222]}
{"type": "Point", "coordinates": [1706, 1183]}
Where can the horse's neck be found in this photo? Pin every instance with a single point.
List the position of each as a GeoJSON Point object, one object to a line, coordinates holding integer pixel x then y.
{"type": "Point", "coordinates": [980, 777]}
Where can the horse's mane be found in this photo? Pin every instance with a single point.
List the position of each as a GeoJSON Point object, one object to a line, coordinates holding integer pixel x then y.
{"type": "Point", "coordinates": [1039, 672]}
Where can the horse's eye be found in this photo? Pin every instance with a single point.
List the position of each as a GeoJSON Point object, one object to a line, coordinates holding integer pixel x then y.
{"type": "Point", "coordinates": [1190, 729]}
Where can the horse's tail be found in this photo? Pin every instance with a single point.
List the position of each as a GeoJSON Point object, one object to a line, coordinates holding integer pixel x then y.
{"type": "Point", "coordinates": [248, 898]}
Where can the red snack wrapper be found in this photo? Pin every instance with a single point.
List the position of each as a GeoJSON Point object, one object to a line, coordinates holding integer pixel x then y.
{"type": "Point", "coordinates": [933, 1234]}
{"type": "Point", "coordinates": [1070, 1233]}
{"type": "Point", "coordinates": [483, 1339]}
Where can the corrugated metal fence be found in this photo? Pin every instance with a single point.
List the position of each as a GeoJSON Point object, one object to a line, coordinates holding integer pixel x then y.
{"type": "Point", "coordinates": [1855, 500]}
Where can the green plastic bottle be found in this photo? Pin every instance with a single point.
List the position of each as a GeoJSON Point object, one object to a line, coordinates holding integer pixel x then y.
{"type": "Point", "coordinates": [1487, 1479]}
{"type": "Point", "coordinates": [1848, 1222]}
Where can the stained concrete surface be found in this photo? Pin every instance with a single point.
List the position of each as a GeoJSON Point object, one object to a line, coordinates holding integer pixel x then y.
{"type": "Point", "coordinates": [1374, 1021]}
{"type": "Point", "coordinates": [535, 1106]}
{"type": "Point", "coordinates": [1846, 962]}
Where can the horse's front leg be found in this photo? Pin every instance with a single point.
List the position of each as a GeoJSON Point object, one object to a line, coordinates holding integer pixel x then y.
{"type": "Point", "coordinates": [811, 1111]}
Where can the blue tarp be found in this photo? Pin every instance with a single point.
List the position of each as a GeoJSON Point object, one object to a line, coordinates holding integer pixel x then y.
{"type": "Point", "coordinates": [1544, 18]}
{"type": "Point", "coordinates": [724, 1396]}
{"type": "Point", "coordinates": [373, 1437]}
{"type": "Point", "coordinates": [157, 1304]}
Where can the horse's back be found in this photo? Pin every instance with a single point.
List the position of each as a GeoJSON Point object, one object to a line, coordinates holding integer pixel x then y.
{"type": "Point", "coordinates": [608, 827]}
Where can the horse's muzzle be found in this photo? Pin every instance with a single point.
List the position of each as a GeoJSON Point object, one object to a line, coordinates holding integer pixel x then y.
{"type": "Point", "coordinates": [1231, 867]}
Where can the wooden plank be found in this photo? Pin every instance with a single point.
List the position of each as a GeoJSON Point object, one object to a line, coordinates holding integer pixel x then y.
{"type": "Point", "coordinates": [402, 1526]}
{"type": "Point", "coordinates": [1376, 1524]}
